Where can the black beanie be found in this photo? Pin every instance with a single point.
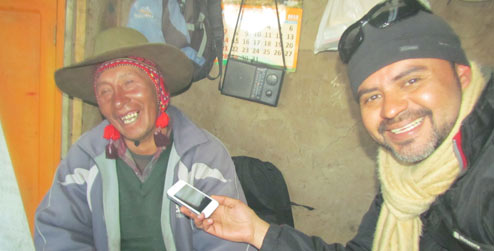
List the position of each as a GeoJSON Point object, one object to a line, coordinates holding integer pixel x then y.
{"type": "Point", "coordinates": [423, 35]}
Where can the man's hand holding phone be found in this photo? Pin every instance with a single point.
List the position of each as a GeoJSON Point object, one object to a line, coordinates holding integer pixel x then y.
{"type": "Point", "coordinates": [233, 220]}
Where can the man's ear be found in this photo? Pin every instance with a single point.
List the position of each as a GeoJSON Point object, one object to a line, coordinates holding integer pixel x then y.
{"type": "Point", "coordinates": [464, 73]}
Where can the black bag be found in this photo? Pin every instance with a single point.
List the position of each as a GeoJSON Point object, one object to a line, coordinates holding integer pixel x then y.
{"type": "Point", "coordinates": [265, 189]}
{"type": "Point", "coordinates": [194, 26]}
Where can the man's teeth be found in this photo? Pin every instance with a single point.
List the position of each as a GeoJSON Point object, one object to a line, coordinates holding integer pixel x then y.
{"type": "Point", "coordinates": [129, 118]}
{"type": "Point", "coordinates": [408, 127]}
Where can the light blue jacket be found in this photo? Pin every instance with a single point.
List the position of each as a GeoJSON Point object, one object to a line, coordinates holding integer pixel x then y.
{"type": "Point", "coordinates": [81, 209]}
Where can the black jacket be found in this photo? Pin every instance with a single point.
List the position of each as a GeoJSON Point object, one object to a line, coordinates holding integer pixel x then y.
{"type": "Point", "coordinates": [460, 219]}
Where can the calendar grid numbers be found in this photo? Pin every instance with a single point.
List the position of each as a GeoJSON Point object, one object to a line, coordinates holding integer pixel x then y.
{"type": "Point", "coordinates": [258, 37]}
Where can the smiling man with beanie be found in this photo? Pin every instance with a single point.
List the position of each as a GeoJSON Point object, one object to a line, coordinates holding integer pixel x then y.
{"type": "Point", "coordinates": [432, 112]}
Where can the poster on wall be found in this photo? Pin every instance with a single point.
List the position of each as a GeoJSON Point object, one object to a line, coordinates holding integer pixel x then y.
{"type": "Point", "coordinates": [257, 37]}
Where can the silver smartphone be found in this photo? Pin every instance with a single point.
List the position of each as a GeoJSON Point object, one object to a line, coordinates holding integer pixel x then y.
{"type": "Point", "coordinates": [198, 202]}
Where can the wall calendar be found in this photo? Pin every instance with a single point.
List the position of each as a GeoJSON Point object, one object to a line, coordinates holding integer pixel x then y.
{"type": "Point", "coordinates": [257, 36]}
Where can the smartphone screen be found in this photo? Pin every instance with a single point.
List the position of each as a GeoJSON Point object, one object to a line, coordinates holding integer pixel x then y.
{"type": "Point", "coordinates": [193, 198]}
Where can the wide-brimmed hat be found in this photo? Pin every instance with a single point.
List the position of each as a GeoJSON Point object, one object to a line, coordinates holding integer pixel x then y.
{"type": "Point", "coordinates": [121, 42]}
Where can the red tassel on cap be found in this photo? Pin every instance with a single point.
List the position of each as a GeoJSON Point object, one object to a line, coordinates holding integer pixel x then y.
{"type": "Point", "coordinates": [111, 133]}
{"type": "Point", "coordinates": [161, 140]}
{"type": "Point", "coordinates": [162, 120]}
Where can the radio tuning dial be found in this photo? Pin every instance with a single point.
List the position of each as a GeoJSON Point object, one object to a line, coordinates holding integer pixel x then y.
{"type": "Point", "coordinates": [272, 79]}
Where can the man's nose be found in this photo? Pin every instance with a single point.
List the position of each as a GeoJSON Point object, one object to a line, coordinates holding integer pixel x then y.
{"type": "Point", "coordinates": [120, 98]}
{"type": "Point", "coordinates": [393, 105]}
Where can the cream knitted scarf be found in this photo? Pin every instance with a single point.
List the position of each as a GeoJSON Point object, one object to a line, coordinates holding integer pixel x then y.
{"type": "Point", "coordinates": [409, 190]}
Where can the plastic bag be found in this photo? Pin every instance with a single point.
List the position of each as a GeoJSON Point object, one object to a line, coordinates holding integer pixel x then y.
{"type": "Point", "coordinates": [338, 15]}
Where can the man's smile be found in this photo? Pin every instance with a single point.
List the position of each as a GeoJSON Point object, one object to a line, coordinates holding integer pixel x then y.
{"type": "Point", "coordinates": [129, 117]}
{"type": "Point", "coordinates": [408, 127]}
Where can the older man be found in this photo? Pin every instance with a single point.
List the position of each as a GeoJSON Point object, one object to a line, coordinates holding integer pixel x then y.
{"type": "Point", "coordinates": [431, 110]}
{"type": "Point", "coordinates": [109, 192]}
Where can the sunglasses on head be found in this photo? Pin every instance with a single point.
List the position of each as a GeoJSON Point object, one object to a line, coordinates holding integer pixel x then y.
{"type": "Point", "coordinates": [380, 16]}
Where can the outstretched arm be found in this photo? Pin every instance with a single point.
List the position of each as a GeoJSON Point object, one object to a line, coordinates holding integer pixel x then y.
{"type": "Point", "coordinates": [233, 220]}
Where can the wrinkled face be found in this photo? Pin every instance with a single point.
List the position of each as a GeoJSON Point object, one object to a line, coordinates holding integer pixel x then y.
{"type": "Point", "coordinates": [127, 98]}
{"type": "Point", "coordinates": [410, 106]}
